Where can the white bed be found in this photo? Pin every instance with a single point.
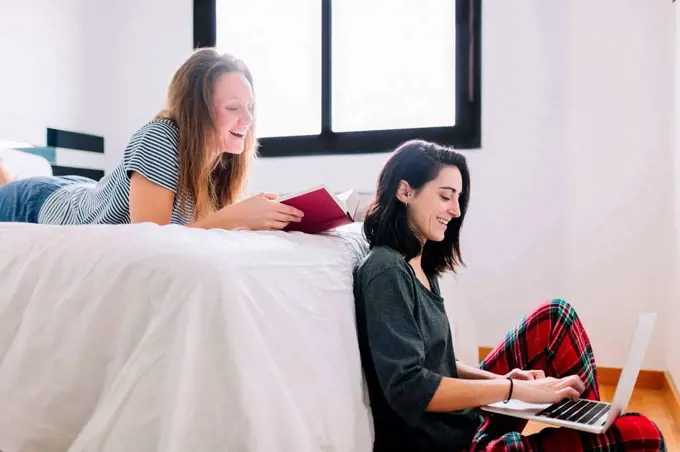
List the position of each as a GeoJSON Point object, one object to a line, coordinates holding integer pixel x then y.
{"type": "Point", "coordinates": [148, 338]}
{"type": "Point", "coordinates": [152, 338]}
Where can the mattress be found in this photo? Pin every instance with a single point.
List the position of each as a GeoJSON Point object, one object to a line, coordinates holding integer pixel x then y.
{"type": "Point", "coordinates": [142, 337]}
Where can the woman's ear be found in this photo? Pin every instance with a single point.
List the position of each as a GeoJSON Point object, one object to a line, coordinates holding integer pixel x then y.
{"type": "Point", "coordinates": [404, 192]}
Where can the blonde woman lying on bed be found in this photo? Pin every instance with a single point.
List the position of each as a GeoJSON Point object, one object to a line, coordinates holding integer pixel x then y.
{"type": "Point", "coordinates": [187, 166]}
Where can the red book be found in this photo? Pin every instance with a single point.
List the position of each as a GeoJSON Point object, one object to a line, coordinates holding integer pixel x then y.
{"type": "Point", "coordinates": [323, 210]}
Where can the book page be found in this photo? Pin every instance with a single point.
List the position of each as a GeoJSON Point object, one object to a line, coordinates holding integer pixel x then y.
{"type": "Point", "coordinates": [350, 202]}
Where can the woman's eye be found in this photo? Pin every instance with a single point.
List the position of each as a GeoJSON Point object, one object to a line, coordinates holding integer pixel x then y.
{"type": "Point", "coordinates": [445, 198]}
{"type": "Point", "coordinates": [232, 108]}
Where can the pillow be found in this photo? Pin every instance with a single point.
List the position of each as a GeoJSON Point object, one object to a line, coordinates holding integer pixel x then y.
{"type": "Point", "coordinates": [22, 164]}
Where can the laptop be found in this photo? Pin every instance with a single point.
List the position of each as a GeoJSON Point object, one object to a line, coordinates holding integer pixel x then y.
{"type": "Point", "coordinates": [588, 415]}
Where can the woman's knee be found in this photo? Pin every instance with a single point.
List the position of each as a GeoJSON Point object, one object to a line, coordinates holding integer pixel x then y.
{"type": "Point", "coordinates": [559, 308]}
{"type": "Point", "coordinates": [636, 428]}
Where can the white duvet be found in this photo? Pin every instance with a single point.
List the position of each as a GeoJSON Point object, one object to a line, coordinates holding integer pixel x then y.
{"type": "Point", "coordinates": [147, 338]}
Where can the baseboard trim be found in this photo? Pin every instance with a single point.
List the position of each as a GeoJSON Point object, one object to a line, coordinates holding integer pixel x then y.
{"type": "Point", "coordinates": [673, 397]}
{"type": "Point", "coordinates": [647, 379]}
{"type": "Point", "coordinates": [484, 352]}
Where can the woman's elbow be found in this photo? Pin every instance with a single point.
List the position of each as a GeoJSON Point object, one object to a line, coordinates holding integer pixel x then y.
{"type": "Point", "coordinates": [160, 221]}
{"type": "Point", "coordinates": [412, 398]}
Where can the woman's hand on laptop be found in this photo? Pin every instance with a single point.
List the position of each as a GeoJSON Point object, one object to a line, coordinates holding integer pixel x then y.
{"type": "Point", "coordinates": [519, 374]}
{"type": "Point", "coordinates": [548, 390]}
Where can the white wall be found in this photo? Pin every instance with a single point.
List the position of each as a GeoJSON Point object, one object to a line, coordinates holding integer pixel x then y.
{"type": "Point", "coordinates": [673, 332]}
{"type": "Point", "coordinates": [570, 89]}
{"type": "Point", "coordinates": [41, 66]}
{"type": "Point", "coordinates": [87, 66]}
{"type": "Point", "coordinates": [151, 38]}
{"type": "Point", "coordinates": [620, 229]}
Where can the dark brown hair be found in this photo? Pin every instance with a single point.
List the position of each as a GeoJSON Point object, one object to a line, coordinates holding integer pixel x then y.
{"type": "Point", "coordinates": [386, 223]}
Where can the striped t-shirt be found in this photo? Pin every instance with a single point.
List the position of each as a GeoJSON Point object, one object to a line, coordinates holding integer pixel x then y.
{"type": "Point", "coordinates": [153, 152]}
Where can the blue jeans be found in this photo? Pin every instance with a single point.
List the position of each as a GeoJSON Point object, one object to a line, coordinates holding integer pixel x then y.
{"type": "Point", "coordinates": [21, 200]}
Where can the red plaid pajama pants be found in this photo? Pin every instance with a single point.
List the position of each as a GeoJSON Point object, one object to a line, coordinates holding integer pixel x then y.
{"type": "Point", "coordinates": [552, 339]}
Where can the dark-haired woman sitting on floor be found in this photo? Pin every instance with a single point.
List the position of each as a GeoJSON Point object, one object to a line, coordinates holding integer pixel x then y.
{"type": "Point", "coordinates": [422, 398]}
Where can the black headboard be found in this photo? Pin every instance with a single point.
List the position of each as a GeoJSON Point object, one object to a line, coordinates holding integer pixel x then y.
{"type": "Point", "coordinates": [68, 146]}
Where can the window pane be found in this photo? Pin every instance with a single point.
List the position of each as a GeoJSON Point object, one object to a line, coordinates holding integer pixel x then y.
{"type": "Point", "coordinates": [393, 64]}
{"type": "Point", "coordinates": [280, 41]}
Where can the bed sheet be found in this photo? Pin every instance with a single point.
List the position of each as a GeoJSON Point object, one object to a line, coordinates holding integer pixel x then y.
{"type": "Point", "coordinates": [142, 338]}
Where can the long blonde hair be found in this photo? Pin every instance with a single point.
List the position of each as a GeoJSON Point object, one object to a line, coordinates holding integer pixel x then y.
{"type": "Point", "coordinates": [210, 183]}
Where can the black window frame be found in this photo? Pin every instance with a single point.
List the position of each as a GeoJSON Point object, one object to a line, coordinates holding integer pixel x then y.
{"type": "Point", "coordinates": [465, 134]}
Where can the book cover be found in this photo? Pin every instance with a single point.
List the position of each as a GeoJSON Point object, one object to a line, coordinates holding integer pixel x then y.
{"type": "Point", "coordinates": [323, 210]}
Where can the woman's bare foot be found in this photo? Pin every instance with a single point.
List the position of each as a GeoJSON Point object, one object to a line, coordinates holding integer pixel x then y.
{"type": "Point", "coordinates": [5, 177]}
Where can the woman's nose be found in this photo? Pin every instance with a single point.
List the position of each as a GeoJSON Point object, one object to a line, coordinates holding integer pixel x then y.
{"type": "Point", "coordinates": [455, 211]}
{"type": "Point", "coordinates": [247, 118]}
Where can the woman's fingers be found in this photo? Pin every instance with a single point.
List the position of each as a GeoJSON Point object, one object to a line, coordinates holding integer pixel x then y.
{"type": "Point", "coordinates": [283, 212]}
{"type": "Point", "coordinates": [276, 225]}
{"type": "Point", "coordinates": [290, 211]}
{"type": "Point", "coordinates": [285, 217]}
{"type": "Point", "coordinates": [581, 386]}
{"type": "Point", "coordinates": [573, 381]}
{"type": "Point", "coordinates": [567, 393]}
{"type": "Point", "coordinates": [538, 374]}
{"type": "Point", "coordinates": [576, 383]}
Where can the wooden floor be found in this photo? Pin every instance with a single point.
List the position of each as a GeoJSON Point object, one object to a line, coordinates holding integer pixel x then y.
{"type": "Point", "coordinates": [649, 402]}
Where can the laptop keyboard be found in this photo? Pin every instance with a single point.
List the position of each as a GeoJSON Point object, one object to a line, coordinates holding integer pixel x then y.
{"type": "Point", "coordinates": [581, 411]}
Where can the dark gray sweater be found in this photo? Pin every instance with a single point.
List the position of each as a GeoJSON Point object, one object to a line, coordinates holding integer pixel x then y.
{"type": "Point", "coordinates": [406, 349]}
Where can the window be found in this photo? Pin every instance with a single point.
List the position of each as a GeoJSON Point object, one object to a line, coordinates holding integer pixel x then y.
{"type": "Point", "coordinates": [353, 76]}
{"type": "Point", "coordinates": [279, 41]}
